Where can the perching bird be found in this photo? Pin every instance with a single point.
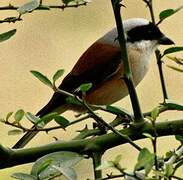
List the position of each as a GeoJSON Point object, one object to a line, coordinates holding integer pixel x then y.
{"type": "Point", "coordinates": [102, 66]}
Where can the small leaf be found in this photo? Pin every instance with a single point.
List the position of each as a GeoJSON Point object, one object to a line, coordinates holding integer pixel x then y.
{"type": "Point", "coordinates": [176, 60]}
{"type": "Point", "coordinates": [168, 12]}
{"type": "Point", "coordinates": [47, 117]}
{"type": "Point", "coordinates": [64, 159]}
{"type": "Point", "coordinates": [85, 87]}
{"type": "Point", "coordinates": [8, 115]}
{"type": "Point", "coordinates": [155, 113]}
{"type": "Point", "coordinates": [169, 154]}
{"type": "Point", "coordinates": [32, 118]}
{"type": "Point", "coordinates": [61, 120]}
{"type": "Point", "coordinates": [23, 176]}
{"type": "Point", "coordinates": [72, 100]}
{"type": "Point", "coordinates": [148, 135]}
{"type": "Point", "coordinates": [68, 172]}
{"type": "Point", "coordinates": [105, 165]}
{"type": "Point", "coordinates": [143, 153]}
{"type": "Point", "coordinates": [2, 120]}
{"type": "Point", "coordinates": [28, 7]}
{"type": "Point", "coordinates": [175, 68]}
{"type": "Point", "coordinates": [19, 115]}
{"type": "Point", "coordinates": [67, 1]}
{"type": "Point", "coordinates": [179, 138]}
{"type": "Point", "coordinates": [158, 173]}
{"type": "Point", "coordinates": [145, 160]}
{"type": "Point", "coordinates": [173, 105]}
{"type": "Point", "coordinates": [44, 165]}
{"type": "Point", "coordinates": [117, 110]}
{"type": "Point", "coordinates": [7, 35]}
{"type": "Point", "coordinates": [42, 78]}
{"type": "Point", "coordinates": [58, 74]}
{"type": "Point", "coordinates": [168, 169]}
{"type": "Point", "coordinates": [172, 50]}
{"type": "Point", "coordinates": [117, 159]}
{"type": "Point", "coordinates": [15, 132]}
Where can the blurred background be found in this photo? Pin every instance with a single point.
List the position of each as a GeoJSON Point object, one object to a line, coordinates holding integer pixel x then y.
{"type": "Point", "coordinates": [50, 40]}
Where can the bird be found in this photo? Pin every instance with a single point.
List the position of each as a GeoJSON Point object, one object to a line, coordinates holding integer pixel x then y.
{"type": "Point", "coordinates": [101, 65]}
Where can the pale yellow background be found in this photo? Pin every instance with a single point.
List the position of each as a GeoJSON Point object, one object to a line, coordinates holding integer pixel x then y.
{"type": "Point", "coordinates": [49, 40]}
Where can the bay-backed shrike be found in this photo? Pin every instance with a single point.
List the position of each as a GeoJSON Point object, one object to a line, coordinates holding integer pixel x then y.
{"type": "Point", "coordinates": [102, 66]}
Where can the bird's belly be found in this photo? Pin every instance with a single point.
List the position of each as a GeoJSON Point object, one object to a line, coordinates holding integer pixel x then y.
{"type": "Point", "coordinates": [108, 93]}
{"type": "Point", "coordinates": [114, 89]}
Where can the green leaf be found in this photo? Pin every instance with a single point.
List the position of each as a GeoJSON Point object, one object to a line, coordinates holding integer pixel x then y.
{"type": "Point", "coordinates": [175, 68]}
{"type": "Point", "coordinates": [19, 115]}
{"type": "Point", "coordinates": [23, 176]}
{"type": "Point", "coordinates": [117, 158]}
{"type": "Point", "coordinates": [117, 110]}
{"type": "Point", "coordinates": [105, 165]}
{"type": "Point", "coordinates": [7, 35]}
{"type": "Point", "coordinates": [148, 135]}
{"type": "Point", "coordinates": [67, 1]}
{"type": "Point", "coordinates": [2, 120]}
{"type": "Point", "coordinates": [158, 173]}
{"type": "Point", "coordinates": [176, 60]}
{"type": "Point", "coordinates": [173, 105]}
{"type": "Point", "coordinates": [168, 12]}
{"type": "Point", "coordinates": [143, 153]}
{"type": "Point", "coordinates": [68, 172]}
{"type": "Point", "coordinates": [32, 118]}
{"type": "Point", "coordinates": [155, 113]}
{"type": "Point", "coordinates": [145, 160]}
{"type": "Point", "coordinates": [47, 117]}
{"type": "Point", "coordinates": [169, 154]}
{"type": "Point", "coordinates": [168, 169]}
{"type": "Point", "coordinates": [15, 132]}
{"type": "Point", "coordinates": [85, 87]}
{"type": "Point", "coordinates": [8, 115]}
{"type": "Point", "coordinates": [28, 7]}
{"type": "Point", "coordinates": [42, 78]}
{"type": "Point", "coordinates": [44, 165]}
{"type": "Point", "coordinates": [72, 100]}
{"type": "Point", "coordinates": [179, 138]}
{"type": "Point", "coordinates": [64, 159]}
{"type": "Point", "coordinates": [58, 74]}
{"type": "Point", "coordinates": [172, 50]}
{"type": "Point", "coordinates": [61, 120]}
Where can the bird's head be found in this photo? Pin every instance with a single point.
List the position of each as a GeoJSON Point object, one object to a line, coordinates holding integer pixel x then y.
{"type": "Point", "coordinates": [142, 34]}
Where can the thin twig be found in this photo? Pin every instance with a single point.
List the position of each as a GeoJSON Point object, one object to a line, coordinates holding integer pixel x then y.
{"type": "Point", "coordinates": [124, 56]}
{"type": "Point", "coordinates": [45, 7]}
{"type": "Point", "coordinates": [150, 6]}
{"type": "Point", "coordinates": [158, 55]}
{"type": "Point", "coordinates": [96, 117]}
{"type": "Point", "coordinates": [10, 20]}
{"type": "Point", "coordinates": [19, 126]}
{"type": "Point", "coordinates": [162, 79]}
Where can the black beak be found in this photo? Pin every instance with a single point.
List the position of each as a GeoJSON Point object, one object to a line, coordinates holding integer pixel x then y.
{"type": "Point", "coordinates": [165, 41]}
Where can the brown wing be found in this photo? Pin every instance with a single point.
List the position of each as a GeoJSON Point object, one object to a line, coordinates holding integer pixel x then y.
{"type": "Point", "coordinates": [98, 63]}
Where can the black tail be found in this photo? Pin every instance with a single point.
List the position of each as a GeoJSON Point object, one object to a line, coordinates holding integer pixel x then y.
{"type": "Point", "coordinates": [56, 101]}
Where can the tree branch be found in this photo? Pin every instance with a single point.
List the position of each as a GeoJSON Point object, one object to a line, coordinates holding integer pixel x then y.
{"type": "Point", "coordinates": [11, 157]}
{"type": "Point", "coordinates": [127, 71]}
{"type": "Point", "coordinates": [44, 7]}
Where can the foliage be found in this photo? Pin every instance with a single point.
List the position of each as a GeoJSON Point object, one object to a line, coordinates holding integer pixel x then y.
{"type": "Point", "coordinates": [55, 161]}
